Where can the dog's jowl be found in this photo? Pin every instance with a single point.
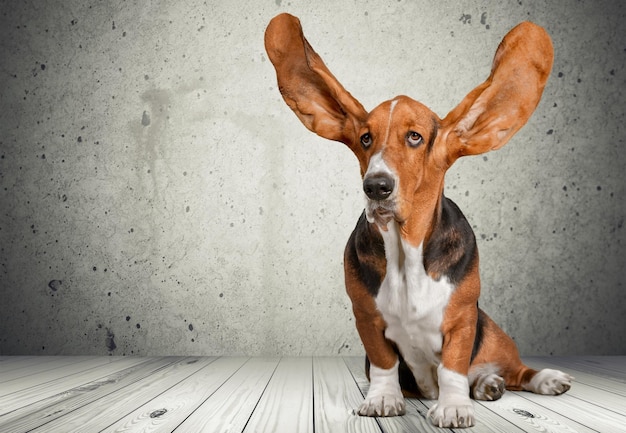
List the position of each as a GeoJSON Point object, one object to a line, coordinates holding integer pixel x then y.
{"type": "Point", "coordinates": [411, 263]}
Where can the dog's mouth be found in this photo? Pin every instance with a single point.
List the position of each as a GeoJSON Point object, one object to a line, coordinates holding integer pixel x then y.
{"type": "Point", "coordinates": [380, 212]}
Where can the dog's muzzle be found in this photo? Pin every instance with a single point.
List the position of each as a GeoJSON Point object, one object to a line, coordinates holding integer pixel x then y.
{"type": "Point", "coordinates": [378, 187]}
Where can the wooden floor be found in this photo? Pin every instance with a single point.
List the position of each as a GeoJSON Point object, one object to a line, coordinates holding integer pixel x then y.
{"type": "Point", "coordinates": [291, 395]}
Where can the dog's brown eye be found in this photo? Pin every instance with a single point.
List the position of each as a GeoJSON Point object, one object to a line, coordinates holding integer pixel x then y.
{"type": "Point", "coordinates": [366, 140]}
{"type": "Point", "coordinates": [414, 139]}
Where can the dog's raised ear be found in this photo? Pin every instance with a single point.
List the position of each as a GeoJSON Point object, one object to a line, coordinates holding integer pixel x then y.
{"type": "Point", "coordinates": [491, 113]}
{"type": "Point", "coordinates": [307, 86]}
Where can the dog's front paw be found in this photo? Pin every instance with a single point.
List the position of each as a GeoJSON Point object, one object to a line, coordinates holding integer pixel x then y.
{"type": "Point", "coordinates": [383, 405]}
{"type": "Point", "coordinates": [459, 414]}
{"type": "Point", "coordinates": [550, 382]}
{"type": "Point", "coordinates": [384, 397]}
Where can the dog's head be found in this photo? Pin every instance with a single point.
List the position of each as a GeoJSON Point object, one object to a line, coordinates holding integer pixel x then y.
{"type": "Point", "coordinates": [403, 148]}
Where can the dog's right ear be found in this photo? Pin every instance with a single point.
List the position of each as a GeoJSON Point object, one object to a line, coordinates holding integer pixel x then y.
{"type": "Point", "coordinates": [308, 87]}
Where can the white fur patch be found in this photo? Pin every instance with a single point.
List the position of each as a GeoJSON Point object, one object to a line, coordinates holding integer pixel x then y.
{"type": "Point", "coordinates": [454, 407]}
{"type": "Point", "coordinates": [549, 382]}
{"type": "Point", "coordinates": [412, 305]}
{"type": "Point", "coordinates": [391, 108]}
{"type": "Point", "coordinates": [377, 165]}
{"type": "Point", "coordinates": [384, 397]}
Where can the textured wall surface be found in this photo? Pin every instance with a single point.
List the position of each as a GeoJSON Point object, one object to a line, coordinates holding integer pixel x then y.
{"type": "Point", "coordinates": [158, 197]}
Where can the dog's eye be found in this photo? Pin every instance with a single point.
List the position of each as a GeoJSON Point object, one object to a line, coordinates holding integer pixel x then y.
{"type": "Point", "coordinates": [366, 140]}
{"type": "Point", "coordinates": [414, 139]}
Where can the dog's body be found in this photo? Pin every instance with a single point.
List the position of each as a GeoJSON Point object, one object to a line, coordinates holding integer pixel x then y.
{"type": "Point", "coordinates": [411, 264]}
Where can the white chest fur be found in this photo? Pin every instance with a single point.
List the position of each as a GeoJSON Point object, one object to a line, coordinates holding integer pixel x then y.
{"type": "Point", "coordinates": [412, 303]}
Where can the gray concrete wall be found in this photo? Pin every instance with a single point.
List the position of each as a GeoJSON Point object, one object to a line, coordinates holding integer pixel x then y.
{"type": "Point", "coordinates": [158, 197]}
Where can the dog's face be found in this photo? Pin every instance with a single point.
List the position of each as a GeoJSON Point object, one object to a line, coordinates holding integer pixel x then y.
{"type": "Point", "coordinates": [396, 151]}
{"type": "Point", "coordinates": [403, 148]}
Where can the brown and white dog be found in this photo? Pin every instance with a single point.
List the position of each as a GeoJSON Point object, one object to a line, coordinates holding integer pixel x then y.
{"type": "Point", "coordinates": [411, 263]}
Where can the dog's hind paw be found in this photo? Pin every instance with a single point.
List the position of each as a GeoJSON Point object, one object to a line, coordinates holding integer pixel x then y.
{"type": "Point", "coordinates": [489, 388]}
{"type": "Point", "coordinates": [383, 405]}
{"type": "Point", "coordinates": [549, 382]}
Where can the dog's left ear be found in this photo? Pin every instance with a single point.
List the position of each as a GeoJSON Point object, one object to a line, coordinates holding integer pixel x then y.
{"type": "Point", "coordinates": [491, 113]}
{"type": "Point", "coordinates": [308, 87]}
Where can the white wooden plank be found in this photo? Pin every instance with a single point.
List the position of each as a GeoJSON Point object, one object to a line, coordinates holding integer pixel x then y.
{"type": "Point", "coordinates": [590, 415]}
{"type": "Point", "coordinates": [531, 417]}
{"type": "Point", "coordinates": [300, 395]}
{"type": "Point", "coordinates": [336, 396]}
{"type": "Point", "coordinates": [602, 383]}
{"type": "Point", "coordinates": [230, 407]}
{"type": "Point", "coordinates": [614, 363]}
{"type": "Point", "coordinates": [49, 368]}
{"type": "Point", "coordinates": [11, 359]}
{"type": "Point", "coordinates": [592, 394]}
{"type": "Point", "coordinates": [100, 414]}
{"type": "Point", "coordinates": [71, 376]}
{"type": "Point", "coordinates": [608, 367]}
{"type": "Point", "coordinates": [9, 363]}
{"type": "Point", "coordinates": [34, 415]}
{"type": "Point", "coordinates": [287, 403]}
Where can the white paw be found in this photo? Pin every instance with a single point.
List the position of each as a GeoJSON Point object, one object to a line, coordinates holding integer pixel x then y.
{"type": "Point", "coordinates": [384, 397]}
{"type": "Point", "coordinates": [382, 405]}
{"type": "Point", "coordinates": [550, 382]}
{"type": "Point", "coordinates": [460, 414]}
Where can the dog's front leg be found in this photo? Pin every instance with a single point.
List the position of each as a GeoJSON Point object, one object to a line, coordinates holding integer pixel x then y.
{"type": "Point", "coordinates": [454, 407]}
{"type": "Point", "coordinates": [384, 397]}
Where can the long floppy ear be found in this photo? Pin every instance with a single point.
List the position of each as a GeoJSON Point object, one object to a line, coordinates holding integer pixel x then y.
{"type": "Point", "coordinates": [491, 113]}
{"type": "Point", "coordinates": [307, 86]}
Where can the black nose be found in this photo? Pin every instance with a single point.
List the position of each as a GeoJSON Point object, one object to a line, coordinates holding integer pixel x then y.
{"type": "Point", "coordinates": [378, 187]}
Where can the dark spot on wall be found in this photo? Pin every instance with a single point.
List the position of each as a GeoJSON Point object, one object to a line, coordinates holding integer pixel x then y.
{"type": "Point", "coordinates": [145, 119]}
{"type": "Point", "coordinates": [138, 326]}
{"type": "Point", "coordinates": [190, 327]}
{"type": "Point", "coordinates": [483, 20]}
{"type": "Point", "coordinates": [55, 285]}
{"type": "Point", "coordinates": [221, 295]}
{"type": "Point", "coordinates": [109, 342]}
{"type": "Point", "coordinates": [127, 318]}
{"type": "Point", "coordinates": [550, 131]}
{"type": "Point", "coordinates": [466, 19]}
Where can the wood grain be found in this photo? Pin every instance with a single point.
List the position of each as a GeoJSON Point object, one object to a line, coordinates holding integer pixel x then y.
{"type": "Point", "coordinates": [294, 395]}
